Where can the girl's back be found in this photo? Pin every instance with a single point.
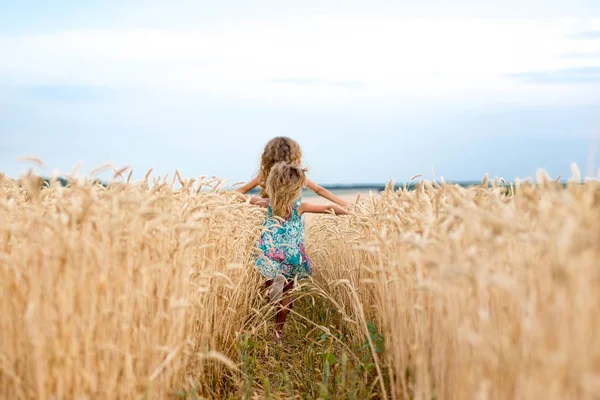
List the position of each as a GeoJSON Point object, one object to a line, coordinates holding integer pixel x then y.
{"type": "Point", "coordinates": [282, 247]}
{"type": "Point", "coordinates": [281, 244]}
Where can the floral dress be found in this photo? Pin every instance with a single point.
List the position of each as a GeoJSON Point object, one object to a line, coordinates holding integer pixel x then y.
{"type": "Point", "coordinates": [281, 247]}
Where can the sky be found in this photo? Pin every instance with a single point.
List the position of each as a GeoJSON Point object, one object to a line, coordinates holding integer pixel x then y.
{"type": "Point", "coordinates": [372, 90]}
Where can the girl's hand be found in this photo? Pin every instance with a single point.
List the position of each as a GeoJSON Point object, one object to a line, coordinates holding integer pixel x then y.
{"type": "Point", "coordinates": [326, 194]}
{"type": "Point", "coordinates": [259, 201]}
{"type": "Point", "coordinates": [322, 209]}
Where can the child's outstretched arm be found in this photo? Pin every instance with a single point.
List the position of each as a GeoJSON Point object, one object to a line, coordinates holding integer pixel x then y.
{"type": "Point", "coordinates": [248, 186]}
{"type": "Point", "coordinates": [321, 209]}
{"type": "Point", "coordinates": [321, 191]}
{"type": "Point", "coordinates": [257, 201]}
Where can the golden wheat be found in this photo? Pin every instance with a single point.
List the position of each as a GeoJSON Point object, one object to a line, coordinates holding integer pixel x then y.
{"type": "Point", "coordinates": [143, 289]}
{"type": "Point", "coordinates": [479, 295]}
{"type": "Point", "coordinates": [113, 293]}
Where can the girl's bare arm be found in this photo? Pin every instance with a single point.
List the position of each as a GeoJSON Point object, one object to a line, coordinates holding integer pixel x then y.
{"type": "Point", "coordinates": [321, 191]}
{"type": "Point", "coordinates": [257, 201]}
{"type": "Point", "coordinates": [248, 186]}
{"type": "Point", "coordinates": [321, 209]}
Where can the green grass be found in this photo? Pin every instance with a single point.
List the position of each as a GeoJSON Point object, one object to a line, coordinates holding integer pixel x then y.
{"type": "Point", "coordinates": [318, 358]}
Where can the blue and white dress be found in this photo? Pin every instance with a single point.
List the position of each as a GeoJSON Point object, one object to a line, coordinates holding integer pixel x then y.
{"type": "Point", "coordinates": [281, 247]}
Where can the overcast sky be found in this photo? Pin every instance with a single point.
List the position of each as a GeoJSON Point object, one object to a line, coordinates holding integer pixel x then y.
{"type": "Point", "coordinates": [372, 90]}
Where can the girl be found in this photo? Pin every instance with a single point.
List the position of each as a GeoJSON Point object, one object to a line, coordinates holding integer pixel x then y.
{"type": "Point", "coordinates": [287, 150]}
{"type": "Point", "coordinates": [282, 255]}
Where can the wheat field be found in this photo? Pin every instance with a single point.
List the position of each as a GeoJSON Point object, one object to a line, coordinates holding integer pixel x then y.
{"type": "Point", "coordinates": [145, 290]}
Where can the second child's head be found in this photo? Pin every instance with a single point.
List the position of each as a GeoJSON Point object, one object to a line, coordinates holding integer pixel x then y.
{"type": "Point", "coordinates": [279, 149]}
{"type": "Point", "coordinates": [284, 185]}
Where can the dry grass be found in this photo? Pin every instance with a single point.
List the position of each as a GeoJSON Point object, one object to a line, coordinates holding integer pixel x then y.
{"type": "Point", "coordinates": [146, 290]}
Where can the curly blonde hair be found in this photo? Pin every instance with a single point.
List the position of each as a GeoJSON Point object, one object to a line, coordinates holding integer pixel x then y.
{"type": "Point", "coordinates": [279, 149]}
{"type": "Point", "coordinates": [284, 184]}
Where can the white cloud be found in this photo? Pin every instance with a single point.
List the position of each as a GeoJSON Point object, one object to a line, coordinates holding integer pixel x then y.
{"type": "Point", "coordinates": [435, 59]}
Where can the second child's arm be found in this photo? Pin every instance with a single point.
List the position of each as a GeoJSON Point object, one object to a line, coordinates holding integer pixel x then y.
{"type": "Point", "coordinates": [257, 201]}
{"type": "Point", "coordinates": [248, 186]}
{"type": "Point", "coordinates": [321, 191]}
{"type": "Point", "coordinates": [321, 209]}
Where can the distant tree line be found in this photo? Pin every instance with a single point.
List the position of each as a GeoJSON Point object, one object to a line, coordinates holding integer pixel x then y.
{"type": "Point", "coordinates": [65, 181]}
{"type": "Point", "coordinates": [359, 187]}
